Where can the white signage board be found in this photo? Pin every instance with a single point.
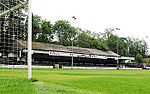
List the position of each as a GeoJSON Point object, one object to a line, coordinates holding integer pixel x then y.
{"type": "Point", "coordinates": [53, 53]}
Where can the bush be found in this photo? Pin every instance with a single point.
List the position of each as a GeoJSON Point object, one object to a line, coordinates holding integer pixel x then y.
{"type": "Point", "coordinates": [146, 60]}
{"type": "Point", "coordinates": [139, 58]}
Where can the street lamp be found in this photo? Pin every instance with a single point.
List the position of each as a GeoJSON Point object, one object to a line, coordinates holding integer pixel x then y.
{"type": "Point", "coordinates": [117, 52]}
{"type": "Point", "coordinates": [74, 18]}
{"type": "Point", "coordinates": [147, 52]}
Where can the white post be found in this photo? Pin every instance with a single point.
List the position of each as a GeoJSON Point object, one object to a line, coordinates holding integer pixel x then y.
{"type": "Point", "coordinates": [29, 40]}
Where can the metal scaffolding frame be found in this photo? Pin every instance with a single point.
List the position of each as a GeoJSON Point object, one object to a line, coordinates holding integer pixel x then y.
{"type": "Point", "coordinates": [5, 12]}
{"type": "Point", "coordinates": [12, 28]}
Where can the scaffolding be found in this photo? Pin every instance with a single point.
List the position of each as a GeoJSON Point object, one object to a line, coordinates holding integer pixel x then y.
{"type": "Point", "coordinates": [13, 20]}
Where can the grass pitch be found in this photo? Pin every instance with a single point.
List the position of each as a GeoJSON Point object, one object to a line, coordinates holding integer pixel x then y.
{"type": "Point", "coordinates": [76, 81]}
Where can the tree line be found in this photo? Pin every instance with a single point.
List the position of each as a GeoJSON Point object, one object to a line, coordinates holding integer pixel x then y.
{"type": "Point", "coordinates": [63, 33]}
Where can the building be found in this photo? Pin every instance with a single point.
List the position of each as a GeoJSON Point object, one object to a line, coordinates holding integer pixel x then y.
{"type": "Point", "coordinates": [47, 54]}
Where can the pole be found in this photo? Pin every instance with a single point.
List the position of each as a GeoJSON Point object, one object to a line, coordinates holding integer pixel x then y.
{"type": "Point", "coordinates": [72, 45]}
{"type": "Point", "coordinates": [72, 56]}
{"type": "Point", "coordinates": [117, 56]}
{"type": "Point", "coordinates": [117, 51]}
{"type": "Point", "coordinates": [29, 40]}
{"type": "Point", "coordinates": [146, 53]}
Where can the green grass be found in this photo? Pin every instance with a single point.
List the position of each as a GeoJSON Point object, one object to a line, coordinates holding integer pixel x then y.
{"type": "Point", "coordinates": [76, 81]}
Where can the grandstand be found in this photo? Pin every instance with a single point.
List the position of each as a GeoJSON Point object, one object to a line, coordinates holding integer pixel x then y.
{"type": "Point", "coordinates": [46, 54]}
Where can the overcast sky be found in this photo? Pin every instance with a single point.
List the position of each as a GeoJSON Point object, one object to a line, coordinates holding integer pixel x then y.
{"type": "Point", "coordinates": [131, 16]}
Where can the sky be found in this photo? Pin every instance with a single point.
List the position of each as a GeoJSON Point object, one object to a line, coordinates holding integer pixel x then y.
{"type": "Point", "coordinates": [131, 16]}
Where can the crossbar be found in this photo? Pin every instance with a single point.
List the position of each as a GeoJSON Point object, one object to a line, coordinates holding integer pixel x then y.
{"type": "Point", "coordinates": [13, 9]}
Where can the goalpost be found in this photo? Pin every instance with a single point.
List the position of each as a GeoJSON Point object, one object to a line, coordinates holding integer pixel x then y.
{"type": "Point", "coordinates": [29, 58]}
{"type": "Point", "coordinates": [29, 40]}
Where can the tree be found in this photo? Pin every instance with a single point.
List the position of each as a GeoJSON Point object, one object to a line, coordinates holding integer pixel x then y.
{"type": "Point", "coordinates": [139, 58]}
{"type": "Point", "coordinates": [126, 46]}
{"type": "Point", "coordinates": [65, 32]}
{"type": "Point", "coordinates": [86, 39]}
{"type": "Point", "coordinates": [137, 46]}
{"type": "Point", "coordinates": [83, 39]}
{"type": "Point", "coordinates": [42, 30]}
{"type": "Point", "coordinates": [146, 60]}
{"type": "Point", "coordinates": [36, 27]}
{"type": "Point", "coordinates": [113, 41]}
{"type": "Point", "coordinates": [107, 33]}
{"type": "Point", "coordinates": [46, 34]}
{"type": "Point", "coordinates": [123, 46]}
{"type": "Point", "coordinates": [101, 44]}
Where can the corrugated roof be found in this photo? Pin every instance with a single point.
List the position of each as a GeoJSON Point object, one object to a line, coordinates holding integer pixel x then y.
{"type": "Point", "coordinates": [55, 47]}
